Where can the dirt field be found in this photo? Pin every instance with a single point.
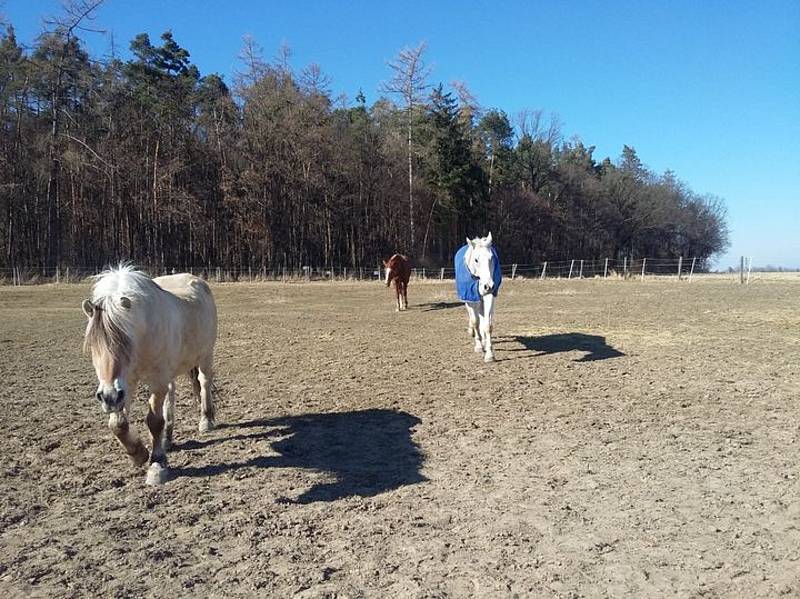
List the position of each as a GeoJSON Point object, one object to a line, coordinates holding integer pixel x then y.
{"type": "Point", "coordinates": [633, 439]}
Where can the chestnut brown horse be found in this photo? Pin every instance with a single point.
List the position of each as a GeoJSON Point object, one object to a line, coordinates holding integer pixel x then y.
{"type": "Point", "coordinates": [398, 268]}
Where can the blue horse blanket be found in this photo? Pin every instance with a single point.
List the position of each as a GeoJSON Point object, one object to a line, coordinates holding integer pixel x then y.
{"type": "Point", "coordinates": [466, 284]}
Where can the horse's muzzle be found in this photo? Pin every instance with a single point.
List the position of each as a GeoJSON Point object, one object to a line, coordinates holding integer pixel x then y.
{"type": "Point", "coordinates": [486, 288]}
{"type": "Point", "coordinates": [111, 399]}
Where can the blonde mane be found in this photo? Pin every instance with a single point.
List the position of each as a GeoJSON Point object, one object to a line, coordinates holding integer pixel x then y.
{"type": "Point", "coordinates": [110, 328]}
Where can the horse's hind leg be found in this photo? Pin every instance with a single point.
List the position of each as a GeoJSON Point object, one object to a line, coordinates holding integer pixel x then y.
{"type": "Point", "coordinates": [405, 295]}
{"type": "Point", "coordinates": [205, 376]}
{"type": "Point", "coordinates": [157, 473]}
{"type": "Point", "coordinates": [169, 417]}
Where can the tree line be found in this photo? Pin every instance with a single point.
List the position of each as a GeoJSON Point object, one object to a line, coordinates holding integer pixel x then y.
{"type": "Point", "coordinates": [147, 159]}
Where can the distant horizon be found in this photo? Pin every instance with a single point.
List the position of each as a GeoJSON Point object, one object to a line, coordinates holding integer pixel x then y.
{"type": "Point", "coordinates": [710, 92]}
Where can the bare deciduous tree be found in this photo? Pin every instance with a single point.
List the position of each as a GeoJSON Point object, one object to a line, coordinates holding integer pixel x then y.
{"type": "Point", "coordinates": [410, 82]}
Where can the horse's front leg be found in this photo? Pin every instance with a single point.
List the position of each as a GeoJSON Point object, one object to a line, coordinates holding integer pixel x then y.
{"type": "Point", "coordinates": [118, 423]}
{"type": "Point", "coordinates": [473, 326]}
{"type": "Point", "coordinates": [397, 293]}
{"type": "Point", "coordinates": [487, 314]}
{"type": "Point", "coordinates": [405, 295]}
{"type": "Point", "coordinates": [157, 472]}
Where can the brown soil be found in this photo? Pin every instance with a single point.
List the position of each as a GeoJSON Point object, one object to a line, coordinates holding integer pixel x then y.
{"type": "Point", "coordinates": [633, 439]}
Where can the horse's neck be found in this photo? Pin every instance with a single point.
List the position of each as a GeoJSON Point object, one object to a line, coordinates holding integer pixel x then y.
{"type": "Point", "coordinates": [467, 258]}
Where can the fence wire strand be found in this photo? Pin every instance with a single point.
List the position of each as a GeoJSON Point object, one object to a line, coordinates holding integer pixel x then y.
{"type": "Point", "coordinates": [557, 269]}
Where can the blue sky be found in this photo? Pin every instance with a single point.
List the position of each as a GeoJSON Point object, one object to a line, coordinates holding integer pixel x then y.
{"type": "Point", "coordinates": [709, 89]}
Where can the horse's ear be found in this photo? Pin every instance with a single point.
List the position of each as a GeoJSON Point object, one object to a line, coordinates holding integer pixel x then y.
{"type": "Point", "coordinates": [125, 302]}
{"type": "Point", "coordinates": [469, 242]}
{"type": "Point", "coordinates": [88, 308]}
{"type": "Point", "coordinates": [489, 239]}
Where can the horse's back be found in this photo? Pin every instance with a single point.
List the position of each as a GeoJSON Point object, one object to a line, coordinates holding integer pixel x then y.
{"type": "Point", "coordinates": [196, 302]}
{"type": "Point", "coordinates": [184, 285]}
{"type": "Point", "coordinates": [402, 265]}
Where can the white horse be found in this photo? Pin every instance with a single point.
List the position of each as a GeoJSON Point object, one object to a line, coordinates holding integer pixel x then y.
{"type": "Point", "coordinates": [150, 330]}
{"type": "Point", "coordinates": [478, 280]}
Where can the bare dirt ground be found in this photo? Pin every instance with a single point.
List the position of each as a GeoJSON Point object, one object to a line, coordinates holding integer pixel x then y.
{"type": "Point", "coordinates": [633, 439]}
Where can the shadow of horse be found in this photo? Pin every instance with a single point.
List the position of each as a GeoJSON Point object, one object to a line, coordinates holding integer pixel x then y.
{"type": "Point", "coordinates": [595, 346]}
{"type": "Point", "coordinates": [367, 452]}
{"type": "Point", "coordinates": [439, 306]}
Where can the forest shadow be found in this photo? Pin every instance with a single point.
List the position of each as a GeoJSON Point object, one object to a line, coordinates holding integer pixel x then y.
{"type": "Point", "coordinates": [595, 346]}
{"type": "Point", "coordinates": [367, 452]}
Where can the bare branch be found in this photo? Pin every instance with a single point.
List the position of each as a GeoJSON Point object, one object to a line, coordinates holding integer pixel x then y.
{"type": "Point", "coordinates": [75, 13]}
{"type": "Point", "coordinates": [85, 145]}
{"type": "Point", "coordinates": [314, 80]}
{"type": "Point", "coordinates": [410, 79]}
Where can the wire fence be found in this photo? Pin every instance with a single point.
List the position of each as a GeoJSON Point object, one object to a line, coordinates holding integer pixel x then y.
{"type": "Point", "coordinates": [604, 268]}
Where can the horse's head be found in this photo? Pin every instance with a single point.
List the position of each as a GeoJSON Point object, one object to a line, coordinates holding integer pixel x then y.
{"type": "Point", "coordinates": [111, 348]}
{"type": "Point", "coordinates": [389, 274]}
{"type": "Point", "coordinates": [480, 262]}
{"type": "Point", "coordinates": [116, 315]}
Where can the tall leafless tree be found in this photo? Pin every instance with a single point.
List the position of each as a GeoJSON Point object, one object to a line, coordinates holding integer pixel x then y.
{"type": "Point", "coordinates": [410, 82]}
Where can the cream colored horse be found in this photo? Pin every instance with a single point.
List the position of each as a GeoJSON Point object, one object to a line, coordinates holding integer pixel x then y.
{"type": "Point", "coordinates": [150, 331]}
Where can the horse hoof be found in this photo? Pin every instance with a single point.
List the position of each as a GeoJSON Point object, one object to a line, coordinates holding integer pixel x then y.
{"type": "Point", "coordinates": [156, 474]}
{"type": "Point", "coordinates": [205, 425]}
{"type": "Point", "coordinates": [488, 358]}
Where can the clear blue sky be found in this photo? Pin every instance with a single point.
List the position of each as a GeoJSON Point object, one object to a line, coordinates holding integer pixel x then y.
{"type": "Point", "coordinates": [709, 89]}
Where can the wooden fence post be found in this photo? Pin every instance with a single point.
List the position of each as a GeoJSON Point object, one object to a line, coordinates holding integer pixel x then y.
{"type": "Point", "coordinates": [644, 261]}
{"type": "Point", "coordinates": [544, 268]}
{"type": "Point", "coordinates": [580, 273]}
{"type": "Point", "coordinates": [741, 271]}
{"type": "Point", "coordinates": [624, 266]}
{"type": "Point", "coordinates": [571, 264]}
{"type": "Point", "coordinates": [691, 272]}
{"type": "Point", "coordinates": [605, 270]}
{"type": "Point", "coordinates": [513, 271]}
{"type": "Point", "coordinates": [441, 274]}
{"type": "Point", "coordinates": [680, 266]}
